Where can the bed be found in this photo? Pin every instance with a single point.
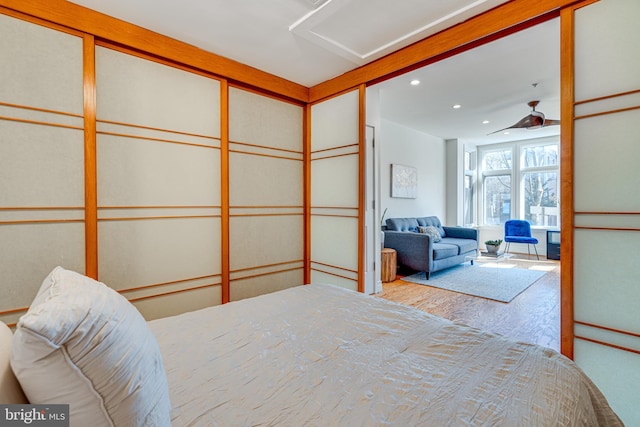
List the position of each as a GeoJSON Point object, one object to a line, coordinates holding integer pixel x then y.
{"type": "Point", "coordinates": [320, 355]}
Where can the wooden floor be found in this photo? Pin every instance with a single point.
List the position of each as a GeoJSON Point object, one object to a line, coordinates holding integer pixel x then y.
{"type": "Point", "coordinates": [533, 316]}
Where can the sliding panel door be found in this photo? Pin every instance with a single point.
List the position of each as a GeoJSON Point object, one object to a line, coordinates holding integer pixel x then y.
{"type": "Point", "coordinates": [335, 191]}
{"type": "Point", "coordinates": [266, 212]}
{"type": "Point", "coordinates": [158, 167]}
{"type": "Point", "coordinates": [606, 200]}
{"type": "Point", "coordinates": [41, 159]}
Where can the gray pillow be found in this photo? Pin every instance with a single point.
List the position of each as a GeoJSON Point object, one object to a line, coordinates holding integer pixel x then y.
{"type": "Point", "coordinates": [432, 231]}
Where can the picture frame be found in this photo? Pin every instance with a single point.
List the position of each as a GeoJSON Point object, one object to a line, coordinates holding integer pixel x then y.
{"type": "Point", "coordinates": [404, 181]}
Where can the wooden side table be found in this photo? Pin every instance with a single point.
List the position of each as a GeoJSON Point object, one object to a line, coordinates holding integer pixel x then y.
{"type": "Point", "coordinates": [389, 267]}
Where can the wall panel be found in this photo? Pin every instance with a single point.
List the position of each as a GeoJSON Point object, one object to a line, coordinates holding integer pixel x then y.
{"type": "Point", "coordinates": [601, 142]}
{"type": "Point", "coordinates": [145, 93]}
{"type": "Point", "coordinates": [43, 65]}
{"type": "Point", "coordinates": [266, 283]}
{"type": "Point", "coordinates": [266, 226]}
{"type": "Point", "coordinates": [41, 159]}
{"type": "Point", "coordinates": [335, 190]}
{"type": "Point", "coordinates": [159, 184]}
{"type": "Point", "coordinates": [606, 205]}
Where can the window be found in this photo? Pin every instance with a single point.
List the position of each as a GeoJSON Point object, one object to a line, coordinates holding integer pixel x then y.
{"type": "Point", "coordinates": [535, 195]}
{"type": "Point", "coordinates": [469, 200]}
{"type": "Point", "coordinates": [539, 168]}
{"type": "Point", "coordinates": [497, 196]}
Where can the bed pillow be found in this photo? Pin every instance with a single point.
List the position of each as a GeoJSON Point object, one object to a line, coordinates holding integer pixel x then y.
{"type": "Point", "coordinates": [432, 232]}
{"type": "Point", "coordinates": [84, 344]}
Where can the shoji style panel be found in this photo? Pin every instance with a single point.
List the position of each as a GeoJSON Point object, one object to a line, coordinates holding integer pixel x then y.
{"type": "Point", "coordinates": [607, 201]}
{"type": "Point", "coordinates": [266, 222]}
{"type": "Point", "coordinates": [41, 159]}
{"type": "Point", "coordinates": [335, 189]}
{"type": "Point", "coordinates": [158, 167]}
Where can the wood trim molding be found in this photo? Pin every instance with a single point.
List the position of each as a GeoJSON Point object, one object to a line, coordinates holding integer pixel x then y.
{"type": "Point", "coordinates": [617, 347]}
{"type": "Point", "coordinates": [177, 291]}
{"type": "Point", "coordinates": [362, 174]}
{"type": "Point", "coordinates": [41, 110]}
{"type": "Point", "coordinates": [224, 190]}
{"type": "Point", "coordinates": [306, 166]}
{"type": "Point", "coordinates": [173, 282]}
{"type": "Point", "coordinates": [607, 343]}
{"type": "Point", "coordinates": [567, 97]}
{"type": "Point", "coordinates": [90, 159]}
{"type": "Point", "coordinates": [601, 98]}
{"type": "Point", "coordinates": [105, 27]}
{"type": "Point", "coordinates": [35, 122]}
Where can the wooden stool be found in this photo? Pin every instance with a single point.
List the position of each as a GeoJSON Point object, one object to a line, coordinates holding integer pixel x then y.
{"type": "Point", "coordinates": [388, 264]}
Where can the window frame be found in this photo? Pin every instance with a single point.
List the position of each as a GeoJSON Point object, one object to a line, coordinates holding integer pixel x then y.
{"type": "Point", "coordinates": [517, 173]}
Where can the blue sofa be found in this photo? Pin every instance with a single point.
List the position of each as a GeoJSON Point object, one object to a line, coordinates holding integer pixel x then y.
{"type": "Point", "coordinates": [418, 251]}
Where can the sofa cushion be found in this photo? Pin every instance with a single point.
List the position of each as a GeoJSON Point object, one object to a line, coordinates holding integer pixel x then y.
{"type": "Point", "coordinates": [402, 224]}
{"type": "Point", "coordinates": [432, 220]}
{"type": "Point", "coordinates": [444, 250]}
{"type": "Point", "coordinates": [465, 245]}
{"type": "Point", "coordinates": [431, 231]}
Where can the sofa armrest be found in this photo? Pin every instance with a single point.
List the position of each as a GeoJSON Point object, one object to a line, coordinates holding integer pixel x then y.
{"type": "Point", "coordinates": [414, 250]}
{"type": "Point", "coordinates": [461, 232]}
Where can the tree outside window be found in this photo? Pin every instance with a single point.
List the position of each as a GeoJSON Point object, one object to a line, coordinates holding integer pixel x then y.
{"type": "Point", "coordinates": [497, 196]}
{"type": "Point", "coordinates": [540, 184]}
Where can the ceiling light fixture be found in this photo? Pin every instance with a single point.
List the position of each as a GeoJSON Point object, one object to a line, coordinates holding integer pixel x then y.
{"type": "Point", "coordinates": [457, 106]}
{"type": "Point", "coordinates": [415, 82]}
{"type": "Point", "coordinates": [485, 122]}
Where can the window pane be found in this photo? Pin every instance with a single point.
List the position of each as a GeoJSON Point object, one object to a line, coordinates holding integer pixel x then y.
{"type": "Point", "coordinates": [469, 201]}
{"type": "Point", "coordinates": [497, 199]}
{"type": "Point", "coordinates": [541, 155]}
{"type": "Point", "coordinates": [540, 190]}
{"type": "Point", "coordinates": [497, 160]}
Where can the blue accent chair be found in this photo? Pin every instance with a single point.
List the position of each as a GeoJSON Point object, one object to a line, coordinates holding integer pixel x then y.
{"type": "Point", "coordinates": [519, 231]}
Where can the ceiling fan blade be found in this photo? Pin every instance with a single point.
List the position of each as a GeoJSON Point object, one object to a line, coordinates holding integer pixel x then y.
{"type": "Point", "coordinates": [550, 122]}
{"type": "Point", "coordinates": [530, 121]}
{"type": "Point", "coordinates": [496, 131]}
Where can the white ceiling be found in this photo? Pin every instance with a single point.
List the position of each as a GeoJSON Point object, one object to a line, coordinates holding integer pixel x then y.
{"type": "Point", "coordinates": [311, 41]}
{"type": "Point", "coordinates": [492, 82]}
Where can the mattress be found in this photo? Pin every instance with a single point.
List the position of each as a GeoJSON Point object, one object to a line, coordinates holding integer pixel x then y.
{"type": "Point", "coordinates": [319, 355]}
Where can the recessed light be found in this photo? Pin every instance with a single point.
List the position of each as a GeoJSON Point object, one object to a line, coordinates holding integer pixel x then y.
{"type": "Point", "coordinates": [415, 82]}
{"type": "Point", "coordinates": [485, 122]}
{"type": "Point", "coordinates": [506, 133]}
{"type": "Point", "coordinates": [457, 106]}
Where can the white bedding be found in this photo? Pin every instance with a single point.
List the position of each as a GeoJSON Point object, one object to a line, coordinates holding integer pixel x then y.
{"type": "Point", "coordinates": [319, 355]}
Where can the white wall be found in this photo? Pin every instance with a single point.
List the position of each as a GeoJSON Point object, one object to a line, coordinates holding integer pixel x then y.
{"type": "Point", "coordinates": [406, 146]}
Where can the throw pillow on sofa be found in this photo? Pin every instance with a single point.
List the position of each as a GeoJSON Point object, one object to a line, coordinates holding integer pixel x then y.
{"type": "Point", "coordinates": [432, 231]}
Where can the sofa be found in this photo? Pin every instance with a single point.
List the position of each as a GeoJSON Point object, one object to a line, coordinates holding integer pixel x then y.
{"type": "Point", "coordinates": [423, 244]}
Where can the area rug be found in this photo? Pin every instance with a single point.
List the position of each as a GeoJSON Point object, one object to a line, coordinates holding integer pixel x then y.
{"type": "Point", "coordinates": [480, 280]}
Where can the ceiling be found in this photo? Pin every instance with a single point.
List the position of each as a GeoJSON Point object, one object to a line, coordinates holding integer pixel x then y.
{"type": "Point", "coordinates": [311, 41]}
{"type": "Point", "coordinates": [493, 82]}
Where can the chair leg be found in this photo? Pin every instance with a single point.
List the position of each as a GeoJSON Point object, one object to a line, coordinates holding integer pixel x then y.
{"type": "Point", "coordinates": [506, 250]}
{"type": "Point", "coordinates": [536, 248]}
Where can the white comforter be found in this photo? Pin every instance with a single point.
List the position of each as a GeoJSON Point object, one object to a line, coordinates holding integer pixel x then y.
{"type": "Point", "coordinates": [319, 355]}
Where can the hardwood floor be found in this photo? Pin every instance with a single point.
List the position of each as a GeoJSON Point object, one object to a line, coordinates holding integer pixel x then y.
{"type": "Point", "coordinates": [533, 316]}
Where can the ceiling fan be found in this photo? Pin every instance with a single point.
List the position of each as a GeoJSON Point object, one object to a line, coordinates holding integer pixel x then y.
{"type": "Point", "coordinates": [535, 120]}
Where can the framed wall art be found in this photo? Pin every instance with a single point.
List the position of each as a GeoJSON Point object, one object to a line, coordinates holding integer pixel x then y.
{"type": "Point", "coordinates": [404, 181]}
